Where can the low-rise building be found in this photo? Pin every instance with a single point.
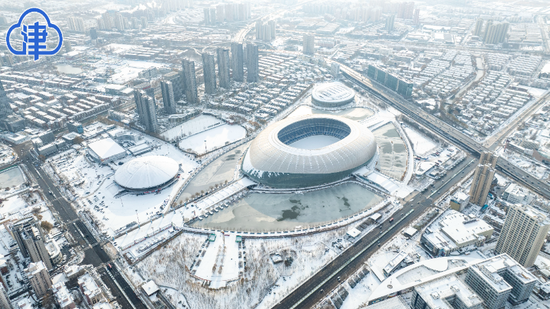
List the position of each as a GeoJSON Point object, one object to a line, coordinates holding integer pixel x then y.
{"type": "Point", "coordinates": [455, 231]}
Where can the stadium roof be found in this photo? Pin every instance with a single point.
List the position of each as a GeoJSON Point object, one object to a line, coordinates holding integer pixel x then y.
{"type": "Point", "coordinates": [106, 148]}
{"type": "Point", "coordinates": [146, 172]}
{"type": "Point", "coordinates": [332, 94]}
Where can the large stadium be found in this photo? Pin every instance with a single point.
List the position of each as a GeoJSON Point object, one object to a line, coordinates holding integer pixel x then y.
{"type": "Point", "coordinates": [147, 173]}
{"type": "Point", "coordinates": [305, 152]}
{"type": "Point", "coordinates": [331, 95]}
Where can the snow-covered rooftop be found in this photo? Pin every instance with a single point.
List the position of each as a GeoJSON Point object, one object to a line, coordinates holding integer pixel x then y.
{"type": "Point", "coordinates": [146, 172]}
{"type": "Point", "coordinates": [106, 148]}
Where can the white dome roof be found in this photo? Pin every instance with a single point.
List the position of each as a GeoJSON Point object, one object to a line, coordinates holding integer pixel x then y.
{"type": "Point", "coordinates": [146, 172]}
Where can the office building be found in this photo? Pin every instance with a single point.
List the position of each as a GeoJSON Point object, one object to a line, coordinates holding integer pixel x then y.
{"type": "Point", "coordinates": [483, 177]}
{"type": "Point", "coordinates": [252, 63]}
{"type": "Point", "coordinates": [190, 81]}
{"type": "Point", "coordinates": [168, 97]}
{"type": "Point", "coordinates": [500, 279]}
{"type": "Point", "coordinates": [523, 234]}
{"type": "Point", "coordinates": [496, 33]}
{"type": "Point", "coordinates": [209, 70]}
{"type": "Point", "coordinates": [445, 293]}
{"type": "Point", "coordinates": [31, 242]}
{"type": "Point", "coordinates": [335, 69]}
{"type": "Point", "coordinates": [237, 61]}
{"type": "Point", "coordinates": [390, 23]}
{"type": "Point", "coordinates": [478, 30]}
{"type": "Point", "coordinates": [223, 67]}
{"type": "Point", "coordinates": [147, 111]}
{"type": "Point", "coordinates": [39, 278]}
{"type": "Point", "coordinates": [309, 44]}
{"type": "Point", "coordinates": [93, 33]}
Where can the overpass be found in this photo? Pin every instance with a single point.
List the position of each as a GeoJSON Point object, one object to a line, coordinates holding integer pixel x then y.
{"type": "Point", "coordinates": [449, 132]}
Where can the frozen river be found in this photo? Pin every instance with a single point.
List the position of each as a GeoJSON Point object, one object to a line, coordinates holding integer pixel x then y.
{"type": "Point", "coordinates": [272, 212]}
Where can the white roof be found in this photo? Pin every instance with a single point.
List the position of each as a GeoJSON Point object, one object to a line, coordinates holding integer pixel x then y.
{"type": "Point", "coordinates": [150, 287]}
{"type": "Point", "coordinates": [332, 93]}
{"type": "Point", "coordinates": [146, 172]}
{"type": "Point", "coordinates": [106, 148]}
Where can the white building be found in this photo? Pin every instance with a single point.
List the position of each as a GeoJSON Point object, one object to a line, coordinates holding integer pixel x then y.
{"type": "Point", "coordinates": [106, 150]}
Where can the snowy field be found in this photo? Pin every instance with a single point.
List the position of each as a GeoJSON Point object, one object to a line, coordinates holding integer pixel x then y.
{"type": "Point", "coordinates": [11, 178]}
{"type": "Point", "coordinates": [421, 143]}
{"type": "Point", "coordinates": [393, 153]}
{"type": "Point", "coordinates": [191, 127]}
{"type": "Point", "coordinates": [263, 282]}
{"type": "Point", "coordinates": [213, 138]}
{"type": "Point", "coordinates": [96, 190]}
{"type": "Point", "coordinates": [7, 155]}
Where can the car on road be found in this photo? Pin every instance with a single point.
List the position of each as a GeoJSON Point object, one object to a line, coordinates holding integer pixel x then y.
{"type": "Point", "coordinates": [50, 192]}
{"type": "Point", "coordinates": [391, 220]}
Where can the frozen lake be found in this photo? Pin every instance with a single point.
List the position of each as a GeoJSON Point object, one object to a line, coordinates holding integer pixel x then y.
{"type": "Point", "coordinates": [213, 138]}
{"type": "Point", "coordinates": [356, 114]}
{"type": "Point", "coordinates": [12, 177]}
{"type": "Point", "coordinates": [315, 142]}
{"type": "Point", "coordinates": [217, 172]}
{"type": "Point", "coordinates": [272, 212]}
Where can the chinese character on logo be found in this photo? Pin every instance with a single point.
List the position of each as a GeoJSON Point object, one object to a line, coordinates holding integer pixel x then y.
{"type": "Point", "coordinates": [33, 36]}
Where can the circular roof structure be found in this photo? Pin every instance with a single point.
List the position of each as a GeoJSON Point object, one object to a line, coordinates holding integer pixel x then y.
{"type": "Point", "coordinates": [332, 94]}
{"type": "Point", "coordinates": [303, 152]}
{"type": "Point", "coordinates": [146, 173]}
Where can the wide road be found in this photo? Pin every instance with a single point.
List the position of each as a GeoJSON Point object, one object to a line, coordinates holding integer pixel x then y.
{"type": "Point", "coordinates": [94, 253]}
{"type": "Point", "coordinates": [449, 132]}
{"type": "Point", "coordinates": [347, 263]}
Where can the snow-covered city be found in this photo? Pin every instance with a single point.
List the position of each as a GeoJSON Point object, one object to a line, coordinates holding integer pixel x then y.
{"type": "Point", "coordinates": [275, 154]}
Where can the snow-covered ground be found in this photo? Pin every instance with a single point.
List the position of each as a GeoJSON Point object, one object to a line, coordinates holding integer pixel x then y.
{"type": "Point", "coordinates": [421, 143]}
{"type": "Point", "coordinates": [96, 190]}
{"type": "Point", "coordinates": [191, 127]}
{"type": "Point", "coordinates": [7, 155]}
{"type": "Point", "coordinates": [220, 263]}
{"type": "Point", "coordinates": [213, 138]}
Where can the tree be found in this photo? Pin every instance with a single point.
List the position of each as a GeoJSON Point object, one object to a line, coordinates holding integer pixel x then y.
{"type": "Point", "coordinates": [78, 140]}
{"type": "Point", "coordinates": [47, 226]}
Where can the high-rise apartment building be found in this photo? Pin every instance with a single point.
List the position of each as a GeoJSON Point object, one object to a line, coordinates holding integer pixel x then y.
{"type": "Point", "coordinates": [500, 279]}
{"type": "Point", "coordinates": [177, 84]}
{"type": "Point", "coordinates": [252, 63]}
{"type": "Point", "coordinates": [31, 242]}
{"type": "Point", "coordinates": [190, 81]}
{"type": "Point", "coordinates": [266, 31]}
{"type": "Point", "coordinates": [237, 61]}
{"type": "Point", "coordinates": [5, 108]}
{"type": "Point", "coordinates": [335, 69]}
{"type": "Point", "coordinates": [223, 67]}
{"type": "Point", "coordinates": [309, 44]}
{"type": "Point", "coordinates": [146, 110]}
{"type": "Point", "coordinates": [39, 278]}
{"type": "Point", "coordinates": [478, 29]}
{"type": "Point", "coordinates": [483, 177]}
{"type": "Point", "coordinates": [523, 234]}
{"type": "Point", "coordinates": [488, 25]}
{"type": "Point", "coordinates": [390, 23]}
{"type": "Point", "coordinates": [168, 97]}
{"type": "Point", "coordinates": [76, 24]}
{"type": "Point", "coordinates": [209, 70]}
{"type": "Point", "coordinates": [4, 298]}
{"type": "Point", "coordinates": [496, 33]}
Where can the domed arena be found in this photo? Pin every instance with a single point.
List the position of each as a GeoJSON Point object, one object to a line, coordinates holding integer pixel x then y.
{"type": "Point", "coordinates": [333, 94]}
{"type": "Point", "coordinates": [146, 173]}
{"type": "Point", "coordinates": [305, 152]}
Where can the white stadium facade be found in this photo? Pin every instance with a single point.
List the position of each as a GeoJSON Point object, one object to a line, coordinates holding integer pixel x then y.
{"type": "Point", "coordinates": [304, 152]}
{"type": "Point", "coordinates": [147, 173]}
{"type": "Point", "coordinates": [331, 95]}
